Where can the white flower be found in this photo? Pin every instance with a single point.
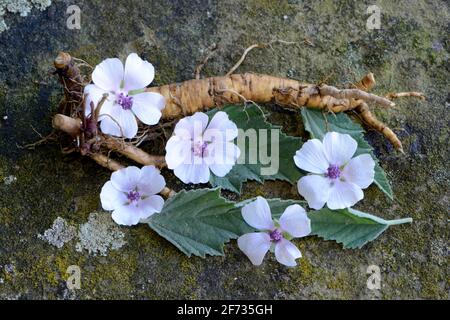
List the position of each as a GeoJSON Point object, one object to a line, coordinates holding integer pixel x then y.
{"type": "Point", "coordinates": [132, 194]}
{"type": "Point", "coordinates": [293, 223]}
{"type": "Point", "coordinates": [198, 147]}
{"type": "Point", "coordinates": [337, 179]}
{"type": "Point", "coordinates": [126, 99]}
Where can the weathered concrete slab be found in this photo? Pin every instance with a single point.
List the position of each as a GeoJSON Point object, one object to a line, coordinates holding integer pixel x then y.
{"type": "Point", "coordinates": [409, 52]}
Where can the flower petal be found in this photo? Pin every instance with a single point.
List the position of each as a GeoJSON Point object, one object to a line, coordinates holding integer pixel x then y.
{"type": "Point", "coordinates": [138, 73]}
{"type": "Point", "coordinates": [127, 215]}
{"type": "Point", "coordinates": [360, 170]}
{"type": "Point", "coordinates": [150, 206]}
{"type": "Point", "coordinates": [314, 189]}
{"type": "Point", "coordinates": [192, 126]}
{"type": "Point", "coordinates": [254, 246]}
{"type": "Point", "coordinates": [192, 173]}
{"type": "Point", "coordinates": [108, 75]}
{"type": "Point", "coordinates": [150, 181]}
{"type": "Point", "coordinates": [257, 214]}
{"type": "Point", "coordinates": [126, 179]}
{"type": "Point", "coordinates": [344, 195]}
{"type": "Point", "coordinates": [94, 94]}
{"type": "Point", "coordinates": [221, 122]}
{"type": "Point", "coordinates": [339, 148]}
{"type": "Point", "coordinates": [111, 198]}
{"type": "Point", "coordinates": [311, 157]}
{"type": "Point", "coordinates": [295, 221]}
{"type": "Point", "coordinates": [221, 170]}
{"type": "Point", "coordinates": [178, 151]}
{"type": "Point", "coordinates": [118, 122]}
{"type": "Point", "coordinates": [107, 108]}
{"type": "Point", "coordinates": [108, 126]}
{"type": "Point", "coordinates": [286, 253]}
{"type": "Point", "coordinates": [222, 157]}
{"type": "Point", "coordinates": [147, 107]}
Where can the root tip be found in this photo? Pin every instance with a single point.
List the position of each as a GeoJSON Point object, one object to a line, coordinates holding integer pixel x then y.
{"type": "Point", "coordinates": [62, 60]}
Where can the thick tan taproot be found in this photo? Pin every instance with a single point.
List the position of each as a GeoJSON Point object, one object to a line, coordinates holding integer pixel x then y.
{"type": "Point", "coordinates": [199, 95]}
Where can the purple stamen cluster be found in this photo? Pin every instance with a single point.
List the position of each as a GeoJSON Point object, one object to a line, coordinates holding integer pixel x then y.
{"type": "Point", "coordinates": [200, 149]}
{"type": "Point", "coordinates": [133, 196]}
{"type": "Point", "coordinates": [333, 172]}
{"type": "Point", "coordinates": [125, 101]}
{"type": "Point", "coordinates": [275, 235]}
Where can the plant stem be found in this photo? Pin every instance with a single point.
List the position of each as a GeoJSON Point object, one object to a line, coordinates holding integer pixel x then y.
{"type": "Point", "coordinates": [399, 221]}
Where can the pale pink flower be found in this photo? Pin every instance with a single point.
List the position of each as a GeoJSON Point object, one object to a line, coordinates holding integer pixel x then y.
{"type": "Point", "coordinates": [337, 179]}
{"type": "Point", "coordinates": [132, 194]}
{"type": "Point", "coordinates": [126, 97]}
{"type": "Point", "coordinates": [275, 235]}
{"type": "Point", "coordinates": [197, 147]}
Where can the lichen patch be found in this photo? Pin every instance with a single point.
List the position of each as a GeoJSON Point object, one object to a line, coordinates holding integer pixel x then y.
{"type": "Point", "coordinates": [21, 7]}
{"type": "Point", "coordinates": [9, 180]}
{"type": "Point", "coordinates": [60, 233]}
{"type": "Point", "coordinates": [99, 235]}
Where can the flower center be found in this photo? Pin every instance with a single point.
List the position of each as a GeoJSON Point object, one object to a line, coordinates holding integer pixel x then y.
{"type": "Point", "coordinates": [125, 101]}
{"type": "Point", "coordinates": [133, 196]}
{"type": "Point", "coordinates": [275, 235]}
{"type": "Point", "coordinates": [333, 172]}
{"type": "Point", "coordinates": [200, 149]}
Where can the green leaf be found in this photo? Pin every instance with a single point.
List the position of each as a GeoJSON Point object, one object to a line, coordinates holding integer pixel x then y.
{"type": "Point", "coordinates": [200, 222]}
{"type": "Point", "coordinates": [197, 222]}
{"type": "Point", "coordinates": [350, 227]}
{"type": "Point", "coordinates": [316, 125]}
{"type": "Point", "coordinates": [253, 118]}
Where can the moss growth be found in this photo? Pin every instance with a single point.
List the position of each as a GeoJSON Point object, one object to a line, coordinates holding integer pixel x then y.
{"type": "Point", "coordinates": [113, 280]}
{"type": "Point", "coordinates": [259, 8]}
{"type": "Point", "coordinates": [190, 283]}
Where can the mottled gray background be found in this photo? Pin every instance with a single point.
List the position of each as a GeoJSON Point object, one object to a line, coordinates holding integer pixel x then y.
{"type": "Point", "coordinates": [409, 52]}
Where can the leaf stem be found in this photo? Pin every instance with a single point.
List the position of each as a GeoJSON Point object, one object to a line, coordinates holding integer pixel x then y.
{"type": "Point", "coordinates": [399, 221]}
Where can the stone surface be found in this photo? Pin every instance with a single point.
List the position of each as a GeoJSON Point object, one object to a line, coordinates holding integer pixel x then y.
{"type": "Point", "coordinates": [409, 52]}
